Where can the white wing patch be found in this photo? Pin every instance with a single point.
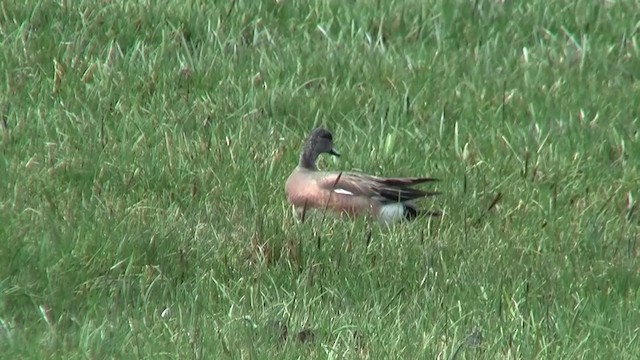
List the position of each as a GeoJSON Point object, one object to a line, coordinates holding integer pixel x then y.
{"type": "Point", "coordinates": [342, 192]}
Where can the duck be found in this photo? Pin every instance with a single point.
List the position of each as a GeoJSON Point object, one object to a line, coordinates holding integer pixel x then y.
{"type": "Point", "coordinates": [350, 194]}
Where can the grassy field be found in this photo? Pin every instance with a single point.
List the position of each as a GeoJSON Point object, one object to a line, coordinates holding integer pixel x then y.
{"type": "Point", "coordinates": [145, 147]}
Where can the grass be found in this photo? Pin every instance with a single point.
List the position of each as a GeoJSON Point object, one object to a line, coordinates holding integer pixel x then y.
{"type": "Point", "coordinates": [145, 147]}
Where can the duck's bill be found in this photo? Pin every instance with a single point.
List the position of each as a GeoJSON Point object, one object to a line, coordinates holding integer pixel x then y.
{"type": "Point", "coordinates": [334, 152]}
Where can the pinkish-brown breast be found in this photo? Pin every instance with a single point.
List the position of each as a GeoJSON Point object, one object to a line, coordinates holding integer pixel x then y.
{"type": "Point", "coordinates": [303, 191]}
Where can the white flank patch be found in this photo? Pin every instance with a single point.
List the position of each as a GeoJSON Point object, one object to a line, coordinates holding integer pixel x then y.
{"type": "Point", "coordinates": [342, 191]}
{"type": "Point", "coordinates": [391, 212]}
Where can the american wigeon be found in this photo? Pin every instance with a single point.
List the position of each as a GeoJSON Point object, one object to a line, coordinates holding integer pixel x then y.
{"type": "Point", "coordinates": [347, 193]}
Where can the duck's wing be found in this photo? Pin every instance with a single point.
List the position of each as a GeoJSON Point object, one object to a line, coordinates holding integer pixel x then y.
{"type": "Point", "coordinates": [379, 188]}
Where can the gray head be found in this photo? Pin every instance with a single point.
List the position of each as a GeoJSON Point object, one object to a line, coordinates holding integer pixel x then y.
{"type": "Point", "coordinates": [319, 141]}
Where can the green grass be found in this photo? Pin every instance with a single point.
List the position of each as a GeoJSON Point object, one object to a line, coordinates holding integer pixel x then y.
{"type": "Point", "coordinates": [145, 147]}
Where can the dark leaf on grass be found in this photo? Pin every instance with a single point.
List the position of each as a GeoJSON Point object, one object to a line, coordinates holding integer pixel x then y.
{"type": "Point", "coordinates": [306, 335]}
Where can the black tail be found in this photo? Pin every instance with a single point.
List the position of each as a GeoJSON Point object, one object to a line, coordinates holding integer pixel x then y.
{"type": "Point", "coordinates": [410, 212]}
